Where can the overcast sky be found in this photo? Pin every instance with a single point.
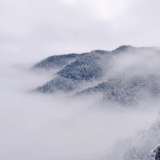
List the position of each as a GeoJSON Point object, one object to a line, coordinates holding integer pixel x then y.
{"type": "Point", "coordinates": [31, 30]}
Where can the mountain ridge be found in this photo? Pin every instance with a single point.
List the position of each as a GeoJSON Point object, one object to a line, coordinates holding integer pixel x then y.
{"type": "Point", "coordinates": [75, 69]}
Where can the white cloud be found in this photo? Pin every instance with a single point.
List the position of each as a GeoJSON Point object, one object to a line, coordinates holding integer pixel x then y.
{"type": "Point", "coordinates": [42, 28]}
{"type": "Point", "coordinates": [47, 127]}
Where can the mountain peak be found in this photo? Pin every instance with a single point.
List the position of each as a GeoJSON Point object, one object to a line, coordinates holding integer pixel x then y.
{"type": "Point", "coordinates": [124, 47]}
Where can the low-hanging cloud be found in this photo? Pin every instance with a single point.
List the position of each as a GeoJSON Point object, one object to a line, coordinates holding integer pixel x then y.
{"type": "Point", "coordinates": [36, 126]}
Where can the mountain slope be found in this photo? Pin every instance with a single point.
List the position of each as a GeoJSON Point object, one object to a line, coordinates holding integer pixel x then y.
{"type": "Point", "coordinates": [85, 67]}
{"type": "Point", "coordinates": [55, 61]}
{"type": "Point", "coordinates": [58, 84]}
{"type": "Point", "coordinates": [126, 90]}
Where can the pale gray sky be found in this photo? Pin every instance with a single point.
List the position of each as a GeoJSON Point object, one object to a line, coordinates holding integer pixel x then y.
{"type": "Point", "coordinates": [31, 30]}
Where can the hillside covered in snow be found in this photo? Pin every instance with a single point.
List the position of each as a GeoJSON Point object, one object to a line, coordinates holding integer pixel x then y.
{"type": "Point", "coordinates": [125, 75]}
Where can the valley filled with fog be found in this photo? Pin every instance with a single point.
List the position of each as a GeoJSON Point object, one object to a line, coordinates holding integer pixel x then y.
{"type": "Point", "coordinates": [114, 105]}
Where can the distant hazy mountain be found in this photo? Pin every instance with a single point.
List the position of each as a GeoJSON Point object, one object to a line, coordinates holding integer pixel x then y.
{"type": "Point", "coordinates": [59, 61]}
{"type": "Point", "coordinates": [76, 70]}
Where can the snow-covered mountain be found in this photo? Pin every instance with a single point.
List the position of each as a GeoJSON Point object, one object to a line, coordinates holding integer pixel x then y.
{"type": "Point", "coordinates": [107, 72]}
{"type": "Point", "coordinates": [126, 90]}
{"type": "Point", "coordinates": [139, 146]}
{"type": "Point", "coordinates": [84, 67]}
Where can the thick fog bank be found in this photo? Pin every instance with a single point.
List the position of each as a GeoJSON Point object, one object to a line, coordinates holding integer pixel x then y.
{"type": "Point", "coordinates": [36, 126]}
